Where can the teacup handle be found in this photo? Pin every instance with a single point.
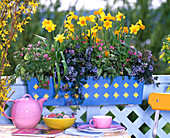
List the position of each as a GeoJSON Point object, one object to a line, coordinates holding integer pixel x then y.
{"type": "Point", "coordinates": [90, 123]}
{"type": "Point", "coordinates": [27, 95]}
{"type": "Point", "coordinates": [4, 107]}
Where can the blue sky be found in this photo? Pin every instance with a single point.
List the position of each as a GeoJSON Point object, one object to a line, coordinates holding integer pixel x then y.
{"type": "Point", "coordinates": [95, 4]}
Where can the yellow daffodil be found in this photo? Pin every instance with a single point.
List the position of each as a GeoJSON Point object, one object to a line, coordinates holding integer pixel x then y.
{"type": "Point", "coordinates": [134, 29]}
{"type": "Point", "coordinates": [46, 23]}
{"type": "Point", "coordinates": [98, 12]}
{"type": "Point", "coordinates": [50, 27]}
{"type": "Point", "coordinates": [60, 38]}
{"type": "Point", "coordinates": [139, 22]}
{"type": "Point", "coordinates": [108, 17]}
{"type": "Point", "coordinates": [107, 24]}
{"type": "Point", "coordinates": [119, 16]}
{"type": "Point", "coordinates": [69, 26]}
{"type": "Point", "coordinates": [113, 18]}
{"type": "Point", "coordinates": [98, 40]}
{"type": "Point", "coordinates": [116, 32]}
{"type": "Point", "coordinates": [73, 15]}
{"type": "Point", "coordinates": [68, 21]}
{"type": "Point", "coordinates": [90, 18]}
{"type": "Point", "coordinates": [106, 53]}
{"type": "Point", "coordinates": [82, 21]}
{"type": "Point", "coordinates": [70, 35]}
{"type": "Point", "coordinates": [94, 33]}
{"type": "Point", "coordinates": [125, 29]}
{"type": "Point", "coordinates": [141, 25]}
{"type": "Point", "coordinates": [100, 27]}
{"type": "Point", "coordinates": [102, 16]}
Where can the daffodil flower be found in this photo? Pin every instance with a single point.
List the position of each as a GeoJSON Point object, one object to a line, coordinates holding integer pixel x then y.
{"type": "Point", "coordinates": [82, 21]}
{"type": "Point", "coordinates": [60, 38]}
{"type": "Point", "coordinates": [119, 16]}
{"type": "Point", "coordinates": [107, 24]}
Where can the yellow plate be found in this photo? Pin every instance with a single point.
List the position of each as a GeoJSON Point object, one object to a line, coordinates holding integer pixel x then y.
{"type": "Point", "coordinates": [59, 123]}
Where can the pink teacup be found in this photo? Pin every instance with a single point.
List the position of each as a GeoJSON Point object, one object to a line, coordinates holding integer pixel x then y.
{"type": "Point", "coordinates": [101, 121]}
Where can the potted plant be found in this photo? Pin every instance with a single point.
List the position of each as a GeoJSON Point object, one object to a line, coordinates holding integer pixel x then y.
{"type": "Point", "coordinates": [98, 47]}
{"type": "Point", "coordinates": [166, 53]}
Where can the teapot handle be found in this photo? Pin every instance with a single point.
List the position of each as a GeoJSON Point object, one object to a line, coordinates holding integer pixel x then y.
{"type": "Point", "coordinates": [27, 95]}
{"type": "Point", "coordinates": [4, 107]}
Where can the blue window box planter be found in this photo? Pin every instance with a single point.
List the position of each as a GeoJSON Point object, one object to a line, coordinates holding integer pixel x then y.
{"type": "Point", "coordinates": [95, 92]}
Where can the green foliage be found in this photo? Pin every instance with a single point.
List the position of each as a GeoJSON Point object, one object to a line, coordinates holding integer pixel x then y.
{"type": "Point", "coordinates": [35, 61]}
{"type": "Point", "coordinates": [156, 21]}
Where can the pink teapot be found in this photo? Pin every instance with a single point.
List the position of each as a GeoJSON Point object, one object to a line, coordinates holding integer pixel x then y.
{"type": "Point", "coordinates": [26, 112]}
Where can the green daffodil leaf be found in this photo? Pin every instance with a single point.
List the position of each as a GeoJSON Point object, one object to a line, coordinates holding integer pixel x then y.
{"type": "Point", "coordinates": [27, 57]}
{"type": "Point", "coordinates": [22, 70]}
{"type": "Point", "coordinates": [99, 72]}
{"type": "Point", "coordinates": [128, 70]}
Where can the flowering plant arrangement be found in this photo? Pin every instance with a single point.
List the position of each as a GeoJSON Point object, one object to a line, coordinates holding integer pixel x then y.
{"type": "Point", "coordinates": [166, 50]}
{"type": "Point", "coordinates": [15, 14]}
{"type": "Point", "coordinates": [166, 53]}
{"type": "Point", "coordinates": [95, 45]}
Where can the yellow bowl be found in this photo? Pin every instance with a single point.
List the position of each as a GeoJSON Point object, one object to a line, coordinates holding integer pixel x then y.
{"type": "Point", "coordinates": [59, 123]}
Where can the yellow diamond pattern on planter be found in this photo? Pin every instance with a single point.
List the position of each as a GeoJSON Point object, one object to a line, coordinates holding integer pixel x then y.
{"type": "Point", "coordinates": [66, 95]}
{"type": "Point", "coordinates": [116, 85]}
{"type": "Point", "coordinates": [116, 95]}
{"type": "Point", "coordinates": [95, 92]}
{"type": "Point", "coordinates": [106, 85]}
{"type": "Point", "coordinates": [86, 85]}
{"type": "Point", "coordinates": [126, 85]}
{"type": "Point", "coordinates": [86, 95]}
{"type": "Point", "coordinates": [36, 96]}
{"type": "Point", "coordinates": [135, 85]}
{"type": "Point", "coordinates": [56, 96]}
{"type": "Point", "coordinates": [46, 96]}
{"type": "Point", "coordinates": [135, 94]}
{"type": "Point", "coordinates": [106, 95]}
{"type": "Point", "coordinates": [76, 95]}
{"type": "Point", "coordinates": [125, 94]}
{"type": "Point", "coordinates": [96, 85]}
{"type": "Point", "coordinates": [36, 86]}
{"type": "Point", "coordinates": [96, 95]}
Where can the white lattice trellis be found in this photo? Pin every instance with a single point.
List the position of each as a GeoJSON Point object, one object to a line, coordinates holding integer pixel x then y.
{"type": "Point", "coordinates": [121, 116]}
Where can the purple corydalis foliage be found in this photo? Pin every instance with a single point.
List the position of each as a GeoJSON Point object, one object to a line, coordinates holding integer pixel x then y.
{"type": "Point", "coordinates": [150, 68]}
{"type": "Point", "coordinates": [71, 69]}
{"type": "Point", "coordinates": [72, 52]}
{"type": "Point", "coordinates": [82, 69]}
{"type": "Point", "coordinates": [78, 45]}
{"type": "Point", "coordinates": [94, 69]}
{"type": "Point", "coordinates": [88, 53]}
{"type": "Point", "coordinates": [88, 65]}
{"type": "Point", "coordinates": [74, 60]}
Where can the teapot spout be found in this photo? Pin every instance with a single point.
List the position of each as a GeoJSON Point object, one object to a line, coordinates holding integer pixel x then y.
{"type": "Point", "coordinates": [41, 101]}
